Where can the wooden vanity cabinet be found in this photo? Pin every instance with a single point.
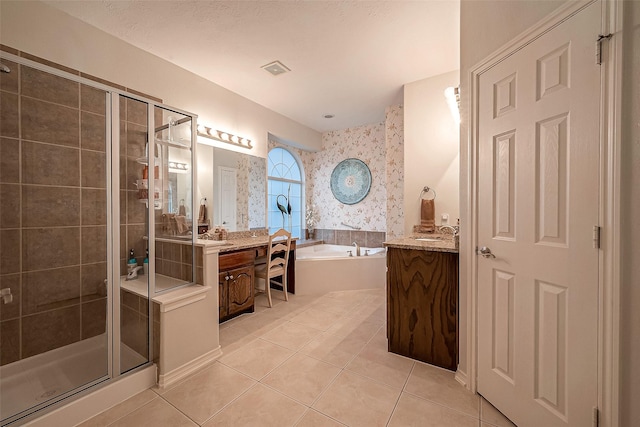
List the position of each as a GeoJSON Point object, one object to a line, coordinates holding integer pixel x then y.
{"type": "Point", "coordinates": [422, 299]}
{"type": "Point", "coordinates": [236, 283]}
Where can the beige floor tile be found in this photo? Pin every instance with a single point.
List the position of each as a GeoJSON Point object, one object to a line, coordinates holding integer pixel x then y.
{"type": "Point", "coordinates": [414, 411]}
{"type": "Point", "coordinates": [233, 338]}
{"type": "Point", "coordinates": [334, 305]}
{"type": "Point", "coordinates": [292, 335]}
{"type": "Point", "coordinates": [153, 414]}
{"type": "Point", "coordinates": [206, 393]}
{"type": "Point", "coordinates": [370, 313]}
{"type": "Point", "coordinates": [302, 378]}
{"type": "Point", "coordinates": [375, 362]}
{"type": "Point", "coordinates": [349, 327]}
{"type": "Point", "coordinates": [316, 419]}
{"type": "Point", "coordinates": [257, 358]}
{"type": "Point", "coordinates": [259, 324]}
{"type": "Point", "coordinates": [260, 406]}
{"type": "Point", "coordinates": [120, 410]}
{"type": "Point", "coordinates": [440, 386]}
{"type": "Point", "coordinates": [357, 401]}
{"type": "Point", "coordinates": [318, 319]}
{"type": "Point", "coordinates": [334, 349]}
{"type": "Point", "coordinates": [489, 414]}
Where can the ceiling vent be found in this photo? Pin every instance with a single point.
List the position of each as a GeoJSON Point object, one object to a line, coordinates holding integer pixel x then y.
{"type": "Point", "coordinates": [276, 68]}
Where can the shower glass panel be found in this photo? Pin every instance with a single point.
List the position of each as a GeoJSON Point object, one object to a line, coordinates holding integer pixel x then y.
{"type": "Point", "coordinates": [54, 163]}
{"type": "Point", "coordinates": [174, 217]}
{"type": "Point", "coordinates": [135, 176]}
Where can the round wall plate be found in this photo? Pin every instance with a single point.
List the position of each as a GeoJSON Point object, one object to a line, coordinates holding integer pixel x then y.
{"type": "Point", "coordinates": [350, 181]}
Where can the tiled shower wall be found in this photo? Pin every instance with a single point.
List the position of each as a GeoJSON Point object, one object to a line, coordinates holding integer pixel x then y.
{"type": "Point", "coordinates": [53, 215]}
{"type": "Point", "coordinates": [53, 212]}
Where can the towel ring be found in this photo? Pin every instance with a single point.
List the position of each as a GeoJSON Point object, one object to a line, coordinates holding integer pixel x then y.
{"type": "Point", "coordinates": [427, 190]}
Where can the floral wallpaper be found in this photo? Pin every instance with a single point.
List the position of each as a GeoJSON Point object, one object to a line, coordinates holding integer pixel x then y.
{"type": "Point", "coordinates": [242, 193]}
{"type": "Point", "coordinates": [257, 191]}
{"type": "Point", "coordinates": [380, 146]}
{"type": "Point", "coordinates": [394, 143]}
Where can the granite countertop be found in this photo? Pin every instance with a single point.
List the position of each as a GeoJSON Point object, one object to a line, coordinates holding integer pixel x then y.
{"type": "Point", "coordinates": [441, 243]}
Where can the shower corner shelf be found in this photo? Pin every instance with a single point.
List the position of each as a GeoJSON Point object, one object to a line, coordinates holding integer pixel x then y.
{"type": "Point", "coordinates": [157, 204]}
{"type": "Point", "coordinates": [145, 161]}
{"type": "Point", "coordinates": [173, 143]}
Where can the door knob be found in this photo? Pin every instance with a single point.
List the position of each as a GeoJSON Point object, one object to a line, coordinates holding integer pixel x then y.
{"type": "Point", "coordinates": [485, 252]}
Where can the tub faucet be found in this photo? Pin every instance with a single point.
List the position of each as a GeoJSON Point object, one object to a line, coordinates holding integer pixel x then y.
{"type": "Point", "coordinates": [133, 274]}
{"type": "Point", "coordinates": [357, 248]}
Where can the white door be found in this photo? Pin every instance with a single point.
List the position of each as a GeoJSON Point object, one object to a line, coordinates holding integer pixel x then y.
{"type": "Point", "coordinates": [228, 193]}
{"type": "Point", "coordinates": [537, 206]}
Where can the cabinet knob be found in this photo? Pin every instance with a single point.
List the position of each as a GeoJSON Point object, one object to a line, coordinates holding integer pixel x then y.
{"type": "Point", "coordinates": [226, 277]}
{"type": "Point", "coordinates": [231, 277]}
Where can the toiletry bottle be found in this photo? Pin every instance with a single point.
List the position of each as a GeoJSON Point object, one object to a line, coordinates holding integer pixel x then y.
{"type": "Point", "coordinates": [145, 264]}
{"type": "Point", "coordinates": [132, 263]}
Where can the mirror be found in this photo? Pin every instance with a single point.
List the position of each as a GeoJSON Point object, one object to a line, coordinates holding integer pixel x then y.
{"type": "Point", "coordinates": [235, 187]}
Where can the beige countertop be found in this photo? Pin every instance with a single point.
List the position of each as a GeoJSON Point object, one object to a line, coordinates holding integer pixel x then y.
{"type": "Point", "coordinates": [436, 243]}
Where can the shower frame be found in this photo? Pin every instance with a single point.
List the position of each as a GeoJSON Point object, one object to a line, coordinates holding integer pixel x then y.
{"type": "Point", "coordinates": [113, 226]}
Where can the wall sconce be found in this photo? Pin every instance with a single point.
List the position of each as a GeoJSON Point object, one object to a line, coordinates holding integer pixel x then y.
{"type": "Point", "coordinates": [226, 137]}
{"type": "Point", "coordinates": [453, 99]}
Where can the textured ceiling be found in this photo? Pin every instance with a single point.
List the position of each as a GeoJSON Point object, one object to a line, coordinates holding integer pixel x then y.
{"type": "Point", "coordinates": [348, 58]}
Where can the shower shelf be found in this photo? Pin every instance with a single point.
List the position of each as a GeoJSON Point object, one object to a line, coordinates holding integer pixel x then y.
{"type": "Point", "coordinates": [145, 161]}
{"type": "Point", "coordinates": [173, 143]}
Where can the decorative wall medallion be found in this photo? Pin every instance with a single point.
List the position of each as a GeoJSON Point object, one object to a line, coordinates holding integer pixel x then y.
{"type": "Point", "coordinates": [350, 181]}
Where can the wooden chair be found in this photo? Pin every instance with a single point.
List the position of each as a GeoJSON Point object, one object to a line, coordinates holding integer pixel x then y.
{"type": "Point", "coordinates": [277, 262]}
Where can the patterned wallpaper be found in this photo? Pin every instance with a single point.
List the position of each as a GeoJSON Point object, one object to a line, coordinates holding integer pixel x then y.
{"type": "Point", "coordinates": [257, 191]}
{"type": "Point", "coordinates": [242, 193]}
{"type": "Point", "coordinates": [380, 146]}
{"type": "Point", "coordinates": [394, 142]}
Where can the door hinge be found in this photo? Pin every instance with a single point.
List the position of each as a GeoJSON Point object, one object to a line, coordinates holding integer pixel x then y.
{"type": "Point", "coordinates": [596, 237]}
{"type": "Point", "coordinates": [599, 46]}
{"type": "Point", "coordinates": [596, 416]}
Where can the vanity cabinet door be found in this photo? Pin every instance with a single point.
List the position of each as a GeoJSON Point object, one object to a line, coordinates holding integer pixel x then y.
{"type": "Point", "coordinates": [223, 296]}
{"type": "Point", "coordinates": [240, 289]}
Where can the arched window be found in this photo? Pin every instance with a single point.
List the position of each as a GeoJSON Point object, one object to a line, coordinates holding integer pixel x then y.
{"type": "Point", "coordinates": [285, 187]}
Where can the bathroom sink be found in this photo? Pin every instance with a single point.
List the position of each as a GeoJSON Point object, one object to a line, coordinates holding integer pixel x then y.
{"type": "Point", "coordinates": [428, 239]}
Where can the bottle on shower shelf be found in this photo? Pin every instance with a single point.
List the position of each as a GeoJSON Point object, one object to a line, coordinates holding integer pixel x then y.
{"type": "Point", "coordinates": [132, 263]}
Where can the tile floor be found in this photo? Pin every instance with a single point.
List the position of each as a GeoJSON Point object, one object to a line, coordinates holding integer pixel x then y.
{"type": "Point", "coordinates": [314, 361]}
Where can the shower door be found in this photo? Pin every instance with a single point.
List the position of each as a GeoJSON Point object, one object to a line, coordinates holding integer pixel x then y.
{"type": "Point", "coordinates": [54, 228]}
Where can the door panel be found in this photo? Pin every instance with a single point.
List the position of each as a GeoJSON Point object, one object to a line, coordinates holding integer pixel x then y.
{"type": "Point", "coordinates": [538, 189]}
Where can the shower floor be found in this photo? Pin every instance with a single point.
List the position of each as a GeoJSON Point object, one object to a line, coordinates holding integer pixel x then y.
{"type": "Point", "coordinates": [38, 379]}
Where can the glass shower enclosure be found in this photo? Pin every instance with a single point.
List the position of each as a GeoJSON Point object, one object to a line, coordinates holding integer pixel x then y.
{"type": "Point", "coordinates": [95, 196]}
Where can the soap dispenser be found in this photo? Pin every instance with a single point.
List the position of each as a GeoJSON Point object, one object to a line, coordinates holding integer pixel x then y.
{"type": "Point", "coordinates": [132, 263]}
{"type": "Point", "coordinates": [145, 263]}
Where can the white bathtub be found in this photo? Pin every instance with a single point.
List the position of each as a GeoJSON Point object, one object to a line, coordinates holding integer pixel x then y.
{"type": "Point", "coordinates": [327, 268]}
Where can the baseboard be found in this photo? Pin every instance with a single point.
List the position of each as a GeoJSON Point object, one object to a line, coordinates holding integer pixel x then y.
{"type": "Point", "coordinates": [98, 401]}
{"type": "Point", "coordinates": [166, 380]}
{"type": "Point", "coordinates": [462, 378]}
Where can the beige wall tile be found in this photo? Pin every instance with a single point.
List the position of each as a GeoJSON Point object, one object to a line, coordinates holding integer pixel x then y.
{"type": "Point", "coordinates": [10, 206]}
{"type": "Point", "coordinates": [46, 206]}
{"type": "Point", "coordinates": [92, 131]}
{"type": "Point", "coordinates": [94, 318]}
{"type": "Point", "coordinates": [93, 277]}
{"type": "Point", "coordinates": [51, 123]}
{"type": "Point", "coordinates": [44, 248]}
{"type": "Point", "coordinates": [12, 309]}
{"type": "Point", "coordinates": [9, 341]}
{"type": "Point", "coordinates": [9, 160]}
{"type": "Point", "coordinates": [10, 249]}
{"type": "Point", "coordinates": [94, 244]}
{"type": "Point", "coordinates": [50, 165]}
{"type": "Point", "coordinates": [94, 207]}
{"type": "Point", "coordinates": [92, 99]}
{"type": "Point", "coordinates": [49, 330]}
{"type": "Point", "coordinates": [50, 289]}
{"type": "Point", "coordinates": [93, 169]}
{"type": "Point", "coordinates": [9, 82]}
{"type": "Point", "coordinates": [9, 123]}
{"type": "Point", "coordinates": [48, 87]}
{"type": "Point", "coordinates": [136, 112]}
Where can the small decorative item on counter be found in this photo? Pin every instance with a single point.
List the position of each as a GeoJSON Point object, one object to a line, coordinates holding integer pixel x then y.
{"type": "Point", "coordinates": [311, 220]}
{"type": "Point", "coordinates": [223, 233]}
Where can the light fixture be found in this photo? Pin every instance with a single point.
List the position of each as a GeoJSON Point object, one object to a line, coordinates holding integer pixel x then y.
{"type": "Point", "coordinates": [226, 137]}
{"type": "Point", "coordinates": [178, 167]}
{"type": "Point", "coordinates": [453, 99]}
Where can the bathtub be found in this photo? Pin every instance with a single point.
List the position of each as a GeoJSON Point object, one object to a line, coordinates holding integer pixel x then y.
{"type": "Point", "coordinates": [327, 268]}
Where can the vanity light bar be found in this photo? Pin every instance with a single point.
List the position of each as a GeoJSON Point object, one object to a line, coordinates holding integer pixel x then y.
{"type": "Point", "coordinates": [226, 137]}
{"type": "Point", "coordinates": [179, 166]}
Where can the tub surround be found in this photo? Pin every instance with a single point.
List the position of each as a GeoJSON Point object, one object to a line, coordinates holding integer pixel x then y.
{"type": "Point", "coordinates": [422, 297]}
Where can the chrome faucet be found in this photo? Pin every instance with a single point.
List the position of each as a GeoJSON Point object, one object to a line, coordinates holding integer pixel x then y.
{"type": "Point", "coordinates": [133, 274]}
{"type": "Point", "coordinates": [357, 248]}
